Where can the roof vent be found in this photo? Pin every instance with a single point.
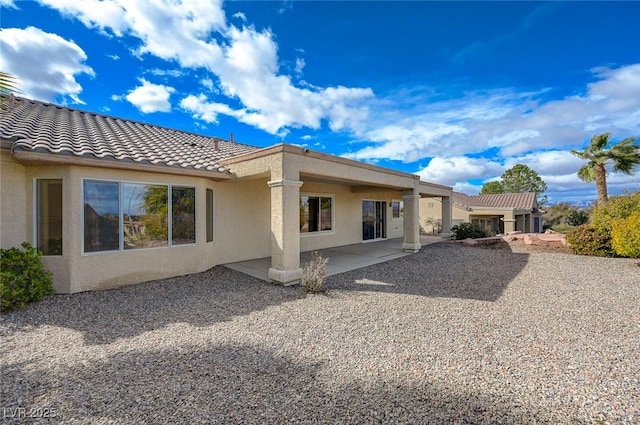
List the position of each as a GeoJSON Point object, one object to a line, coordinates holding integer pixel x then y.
{"type": "Point", "coordinates": [231, 138]}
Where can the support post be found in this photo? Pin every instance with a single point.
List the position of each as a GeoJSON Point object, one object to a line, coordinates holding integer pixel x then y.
{"type": "Point", "coordinates": [285, 231]}
{"type": "Point", "coordinates": [411, 222]}
{"type": "Point", "coordinates": [446, 217]}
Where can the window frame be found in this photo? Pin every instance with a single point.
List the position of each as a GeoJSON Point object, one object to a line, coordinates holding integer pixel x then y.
{"type": "Point", "coordinates": [333, 212]}
{"type": "Point", "coordinates": [121, 183]}
{"type": "Point", "coordinates": [400, 209]}
{"type": "Point", "coordinates": [210, 235]}
{"type": "Point", "coordinates": [35, 207]}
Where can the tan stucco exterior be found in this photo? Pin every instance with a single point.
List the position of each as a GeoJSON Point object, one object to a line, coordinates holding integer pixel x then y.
{"type": "Point", "coordinates": [491, 219]}
{"type": "Point", "coordinates": [256, 213]}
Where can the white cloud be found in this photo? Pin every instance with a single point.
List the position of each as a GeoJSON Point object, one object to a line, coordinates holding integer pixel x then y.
{"type": "Point", "coordinates": [203, 110]}
{"type": "Point", "coordinates": [243, 60]}
{"type": "Point", "coordinates": [513, 122]}
{"type": "Point", "coordinates": [149, 97]}
{"type": "Point", "coordinates": [300, 63]}
{"type": "Point", "coordinates": [452, 170]}
{"type": "Point", "coordinates": [45, 64]}
{"type": "Point", "coordinates": [240, 16]}
{"type": "Point", "coordinates": [175, 73]}
{"type": "Point", "coordinates": [8, 3]}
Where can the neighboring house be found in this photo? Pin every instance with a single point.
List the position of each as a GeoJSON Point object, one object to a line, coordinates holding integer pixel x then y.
{"type": "Point", "coordinates": [496, 213]}
{"type": "Point", "coordinates": [113, 202]}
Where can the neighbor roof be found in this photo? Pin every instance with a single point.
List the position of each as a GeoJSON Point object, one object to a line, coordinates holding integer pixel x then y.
{"type": "Point", "coordinates": [526, 200]}
{"type": "Point", "coordinates": [36, 126]}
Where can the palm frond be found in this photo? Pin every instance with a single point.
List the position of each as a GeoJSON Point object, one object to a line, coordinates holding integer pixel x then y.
{"type": "Point", "coordinates": [8, 84]}
{"type": "Point", "coordinates": [587, 173]}
{"type": "Point", "coordinates": [599, 142]}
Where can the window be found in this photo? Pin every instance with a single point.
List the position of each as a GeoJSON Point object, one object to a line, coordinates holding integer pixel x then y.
{"type": "Point", "coordinates": [49, 216]}
{"type": "Point", "coordinates": [209, 215]}
{"type": "Point", "coordinates": [183, 219]}
{"type": "Point", "coordinates": [144, 215]}
{"type": "Point", "coordinates": [316, 214]}
{"type": "Point", "coordinates": [101, 216]}
{"type": "Point", "coordinates": [126, 215]}
{"type": "Point", "coordinates": [397, 209]}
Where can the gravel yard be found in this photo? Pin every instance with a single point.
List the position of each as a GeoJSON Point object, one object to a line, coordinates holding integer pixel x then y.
{"type": "Point", "coordinates": [452, 334]}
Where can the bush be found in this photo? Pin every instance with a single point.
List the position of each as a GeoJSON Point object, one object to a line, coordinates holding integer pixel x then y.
{"type": "Point", "coordinates": [23, 278]}
{"type": "Point", "coordinates": [617, 219]}
{"type": "Point", "coordinates": [577, 217]}
{"type": "Point", "coordinates": [467, 230]}
{"type": "Point", "coordinates": [587, 240]}
{"type": "Point", "coordinates": [625, 235]}
{"type": "Point", "coordinates": [618, 207]}
{"type": "Point", "coordinates": [315, 273]}
{"type": "Point", "coordinates": [562, 228]}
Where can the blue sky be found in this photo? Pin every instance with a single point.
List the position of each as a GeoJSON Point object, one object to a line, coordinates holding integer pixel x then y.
{"type": "Point", "coordinates": [456, 92]}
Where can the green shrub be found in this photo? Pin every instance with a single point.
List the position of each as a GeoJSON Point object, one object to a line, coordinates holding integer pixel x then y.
{"type": "Point", "coordinates": [617, 207]}
{"type": "Point", "coordinates": [577, 217]}
{"type": "Point", "coordinates": [467, 230]}
{"type": "Point", "coordinates": [563, 228]}
{"type": "Point", "coordinates": [23, 278]}
{"type": "Point", "coordinates": [625, 235]}
{"type": "Point", "coordinates": [315, 273]}
{"type": "Point", "coordinates": [587, 240]}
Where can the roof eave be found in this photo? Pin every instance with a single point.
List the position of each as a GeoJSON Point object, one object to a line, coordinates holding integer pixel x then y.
{"type": "Point", "coordinates": [38, 158]}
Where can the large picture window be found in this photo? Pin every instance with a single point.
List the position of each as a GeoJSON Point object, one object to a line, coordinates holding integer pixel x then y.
{"type": "Point", "coordinates": [126, 215]}
{"type": "Point", "coordinates": [316, 214]}
{"type": "Point", "coordinates": [145, 210]}
{"type": "Point", "coordinates": [49, 216]}
{"type": "Point", "coordinates": [101, 216]}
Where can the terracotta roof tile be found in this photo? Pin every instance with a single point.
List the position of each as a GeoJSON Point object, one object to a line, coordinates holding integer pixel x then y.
{"type": "Point", "coordinates": [42, 127]}
{"type": "Point", "coordinates": [525, 200]}
{"type": "Point", "coordinates": [498, 200]}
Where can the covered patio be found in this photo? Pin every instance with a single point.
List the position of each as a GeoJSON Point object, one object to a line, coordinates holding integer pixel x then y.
{"type": "Point", "coordinates": [341, 259]}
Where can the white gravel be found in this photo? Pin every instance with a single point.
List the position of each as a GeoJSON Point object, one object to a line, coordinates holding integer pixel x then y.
{"type": "Point", "coordinates": [452, 334]}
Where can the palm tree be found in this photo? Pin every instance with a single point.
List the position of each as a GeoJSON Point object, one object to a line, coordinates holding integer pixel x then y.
{"type": "Point", "coordinates": [7, 88]}
{"type": "Point", "coordinates": [624, 157]}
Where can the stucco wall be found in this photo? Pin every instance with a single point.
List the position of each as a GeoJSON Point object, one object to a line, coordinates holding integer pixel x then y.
{"type": "Point", "coordinates": [241, 226]}
{"type": "Point", "coordinates": [347, 216]}
{"type": "Point", "coordinates": [431, 208]}
{"type": "Point", "coordinates": [13, 201]}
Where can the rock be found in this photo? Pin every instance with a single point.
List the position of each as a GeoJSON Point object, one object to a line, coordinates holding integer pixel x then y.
{"type": "Point", "coordinates": [515, 232]}
{"type": "Point", "coordinates": [545, 239]}
{"type": "Point", "coordinates": [548, 231]}
{"type": "Point", "coordinates": [530, 239]}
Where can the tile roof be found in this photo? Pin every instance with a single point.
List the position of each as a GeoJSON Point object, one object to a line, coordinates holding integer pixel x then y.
{"type": "Point", "coordinates": [36, 126]}
{"type": "Point", "coordinates": [525, 200]}
{"type": "Point", "coordinates": [465, 201]}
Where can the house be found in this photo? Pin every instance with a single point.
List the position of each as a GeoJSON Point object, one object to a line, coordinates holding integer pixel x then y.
{"type": "Point", "coordinates": [112, 202]}
{"type": "Point", "coordinates": [495, 213]}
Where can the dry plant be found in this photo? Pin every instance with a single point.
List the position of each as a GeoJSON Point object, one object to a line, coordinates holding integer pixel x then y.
{"type": "Point", "coordinates": [315, 273]}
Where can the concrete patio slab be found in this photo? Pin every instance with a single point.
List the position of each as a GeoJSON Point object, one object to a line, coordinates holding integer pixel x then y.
{"type": "Point", "coordinates": [341, 259]}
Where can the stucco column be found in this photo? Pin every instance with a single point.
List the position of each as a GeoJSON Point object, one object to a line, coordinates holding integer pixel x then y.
{"type": "Point", "coordinates": [285, 231]}
{"type": "Point", "coordinates": [411, 222]}
{"type": "Point", "coordinates": [446, 217]}
{"type": "Point", "coordinates": [509, 223]}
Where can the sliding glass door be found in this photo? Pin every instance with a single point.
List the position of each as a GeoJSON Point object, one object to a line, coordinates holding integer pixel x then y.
{"type": "Point", "coordinates": [373, 220]}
